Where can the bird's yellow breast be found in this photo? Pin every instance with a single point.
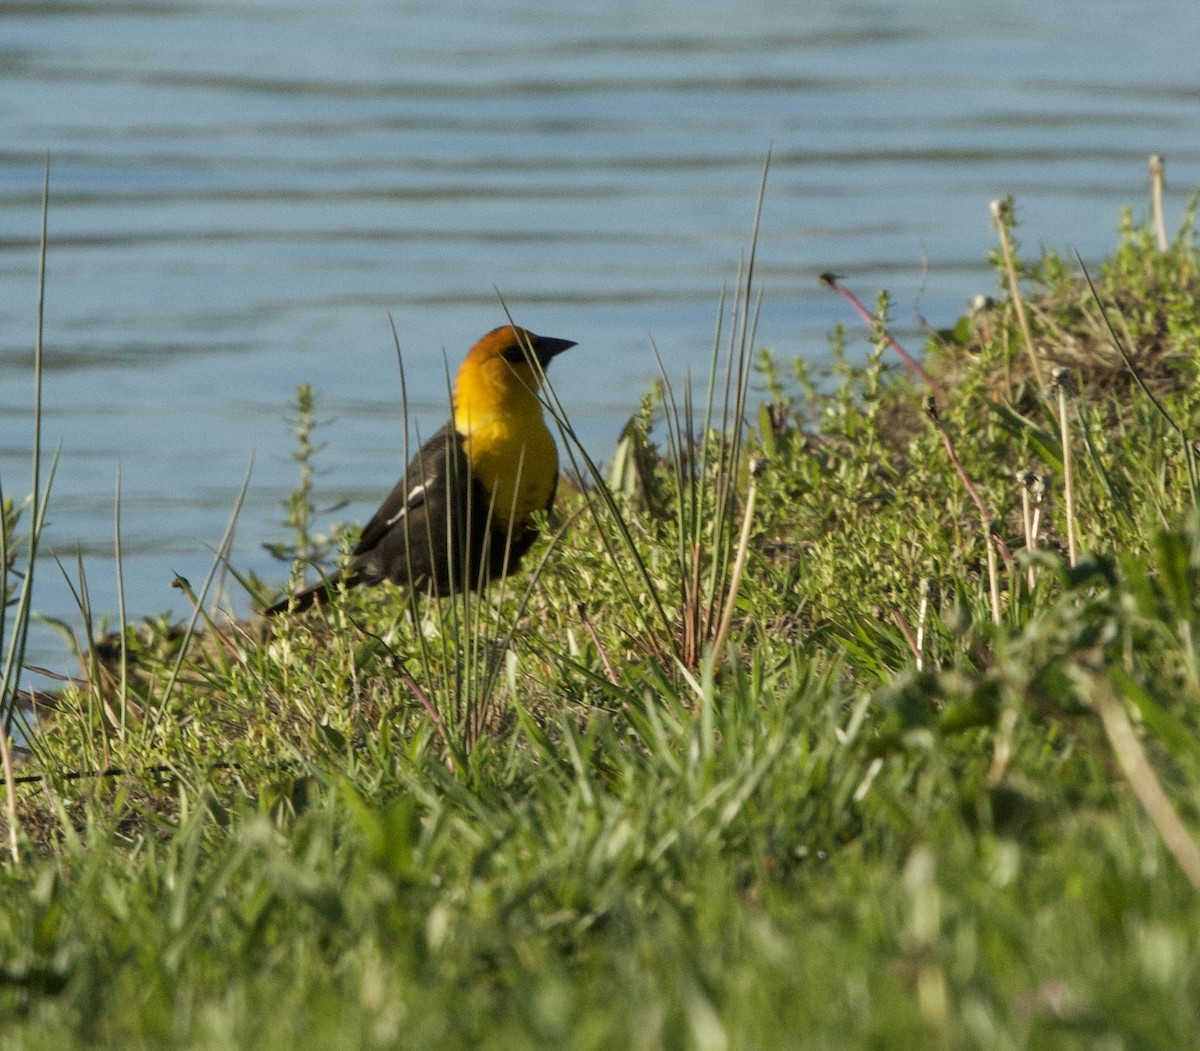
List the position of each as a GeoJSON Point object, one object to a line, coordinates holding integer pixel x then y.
{"type": "Point", "coordinates": [517, 466]}
{"type": "Point", "coordinates": [510, 449]}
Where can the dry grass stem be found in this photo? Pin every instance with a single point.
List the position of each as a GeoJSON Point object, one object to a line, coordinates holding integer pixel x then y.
{"type": "Point", "coordinates": [1002, 216]}
{"type": "Point", "coordinates": [927, 591]}
{"type": "Point", "coordinates": [1063, 385]}
{"type": "Point", "coordinates": [1144, 782]}
{"type": "Point", "coordinates": [1157, 181]}
{"type": "Point", "coordinates": [739, 563]}
{"type": "Point", "coordinates": [993, 572]}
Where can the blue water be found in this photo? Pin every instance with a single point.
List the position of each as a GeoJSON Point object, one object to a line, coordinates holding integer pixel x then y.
{"type": "Point", "coordinates": [242, 192]}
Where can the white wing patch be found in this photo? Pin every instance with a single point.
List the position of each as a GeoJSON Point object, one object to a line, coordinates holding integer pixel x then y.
{"type": "Point", "coordinates": [415, 498]}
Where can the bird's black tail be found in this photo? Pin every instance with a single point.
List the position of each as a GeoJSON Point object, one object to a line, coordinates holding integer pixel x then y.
{"type": "Point", "coordinates": [314, 595]}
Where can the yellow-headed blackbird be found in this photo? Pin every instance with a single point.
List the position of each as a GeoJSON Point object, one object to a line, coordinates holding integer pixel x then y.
{"type": "Point", "coordinates": [463, 512]}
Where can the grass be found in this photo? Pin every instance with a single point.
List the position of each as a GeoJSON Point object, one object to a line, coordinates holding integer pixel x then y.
{"type": "Point", "coordinates": [912, 776]}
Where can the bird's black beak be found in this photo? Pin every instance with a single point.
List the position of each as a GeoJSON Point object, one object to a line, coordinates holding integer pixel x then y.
{"type": "Point", "coordinates": [548, 348]}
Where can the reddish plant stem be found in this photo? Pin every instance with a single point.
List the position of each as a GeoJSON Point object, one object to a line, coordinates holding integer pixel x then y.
{"type": "Point", "coordinates": [984, 514]}
{"type": "Point", "coordinates": [914, 366]}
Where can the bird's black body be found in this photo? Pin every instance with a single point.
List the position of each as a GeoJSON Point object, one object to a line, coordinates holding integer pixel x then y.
{"type": "Point", "coordinates": [421, 534]}
{"type": "Point", "coordinates": [440, 530]}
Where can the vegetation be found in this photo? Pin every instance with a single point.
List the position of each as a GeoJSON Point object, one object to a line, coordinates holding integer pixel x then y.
{"type": "Point", "coordinates": [848, 728]}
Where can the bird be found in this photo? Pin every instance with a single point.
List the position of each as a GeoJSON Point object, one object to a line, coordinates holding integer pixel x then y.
{"type": "Point", "coordinates": [465, 510]}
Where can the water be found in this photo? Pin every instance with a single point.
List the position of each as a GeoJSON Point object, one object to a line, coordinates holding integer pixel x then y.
{"type": "Point", "coordinates": [242, 192]}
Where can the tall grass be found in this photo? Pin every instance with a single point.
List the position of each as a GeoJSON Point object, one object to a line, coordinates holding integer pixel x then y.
{"type": "Point", "coordinates": [695, 483]}
{"type": "Point", "coordinates": [14, 632]}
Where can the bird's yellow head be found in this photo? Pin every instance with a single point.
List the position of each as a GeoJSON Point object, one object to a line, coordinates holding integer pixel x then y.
{"type": "Point", "coordinates": [501, 377]}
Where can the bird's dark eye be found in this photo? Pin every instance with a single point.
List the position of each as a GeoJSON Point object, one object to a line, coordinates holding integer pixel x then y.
{"type": "Point", "coordinates": [516, 355]}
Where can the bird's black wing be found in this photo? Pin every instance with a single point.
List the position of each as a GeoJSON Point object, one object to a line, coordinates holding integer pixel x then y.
{"type": "Point", "coordinates": [410, 539]}
{"type": "Point", "coordinates": [418, 534]}
{"type": "Point", "coordinates": [424, 472]}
